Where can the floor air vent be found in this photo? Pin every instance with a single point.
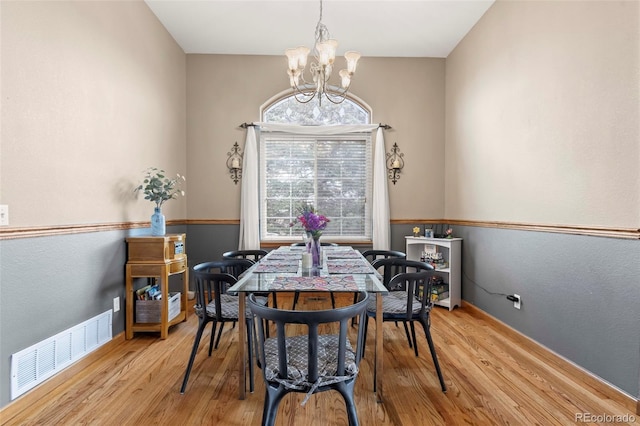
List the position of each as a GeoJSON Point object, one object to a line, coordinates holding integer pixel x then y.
{"type": "Point", "coordinates": [35, 364]}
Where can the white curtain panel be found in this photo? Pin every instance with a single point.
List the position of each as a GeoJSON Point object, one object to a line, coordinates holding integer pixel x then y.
{"type": "Point", "coordinates": [249, 202]}
{"type": "Point", "coordinates": [381, 231]}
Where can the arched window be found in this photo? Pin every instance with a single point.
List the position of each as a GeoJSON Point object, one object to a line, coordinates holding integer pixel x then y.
{"type": "Point", "coordinates": [288, 110]}
{"type": "Point", "coordinates": [331, 170]}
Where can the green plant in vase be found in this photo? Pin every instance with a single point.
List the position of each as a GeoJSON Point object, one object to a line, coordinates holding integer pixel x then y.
{"type": "Point", "coordinates": [158, 188]}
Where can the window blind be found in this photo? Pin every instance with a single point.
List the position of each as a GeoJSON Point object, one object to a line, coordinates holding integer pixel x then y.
{"type": "Point", "coordinates": [334, 173]}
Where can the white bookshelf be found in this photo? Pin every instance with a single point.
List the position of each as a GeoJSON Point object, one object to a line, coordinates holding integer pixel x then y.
{"type": "Point", "coordinates": [451, 252]}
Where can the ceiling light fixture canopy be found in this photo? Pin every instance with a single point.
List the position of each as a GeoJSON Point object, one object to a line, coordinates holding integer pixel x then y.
{"type": "Point", "coordinates": [324, 53]}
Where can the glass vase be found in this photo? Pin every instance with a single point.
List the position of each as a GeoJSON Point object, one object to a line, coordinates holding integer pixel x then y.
{"type": "Point", "coordinates": [316, 252]}
{"type": "Point", "coordinates": [158, 223]}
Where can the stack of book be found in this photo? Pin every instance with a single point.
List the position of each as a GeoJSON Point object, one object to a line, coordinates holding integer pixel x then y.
{"type": "Point", "coordinates": [439, 289]}
{"type": "Point", "coordinates": [149, 292]}
{"type": "Point", "coordinates": [439, 292]}
{"type": "Point", "coordinates": [435, 258]}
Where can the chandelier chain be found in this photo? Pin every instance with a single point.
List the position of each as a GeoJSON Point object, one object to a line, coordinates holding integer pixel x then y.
{"type": "Point", "coordinates": [322, 32]}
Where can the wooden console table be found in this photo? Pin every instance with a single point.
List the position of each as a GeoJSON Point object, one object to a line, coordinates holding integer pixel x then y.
{"type": "Point", "coordinates": [156, 257]}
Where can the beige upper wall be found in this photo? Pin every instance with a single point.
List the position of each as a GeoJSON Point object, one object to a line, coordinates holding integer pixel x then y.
{"type": "Point", "coordinates": [542, 115]}
{"type": "Point", "coordinates": [93, 93]}
{"type": "Point", "coordinates": [227, 90]}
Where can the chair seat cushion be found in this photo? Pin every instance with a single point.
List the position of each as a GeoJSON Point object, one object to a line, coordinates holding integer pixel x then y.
{"type": "Point", "coordinates": [394, 303]}
{"type": "Point", "coordinates": [229, 307]}
{"type": "Point", "coordinates": [297, 376]}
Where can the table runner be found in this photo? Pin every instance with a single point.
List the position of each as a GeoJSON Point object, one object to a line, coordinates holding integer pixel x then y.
{"type": "Point", "coordinates": [286, 266]}
{"type": "Point", "coordinates": [335, 283]}
{"type": "Point", "coordinates": [343, 254]}
{"type": "Point", "coordinates": [335, 266]}
{"type": "Point", "coordinates": [284, 255]}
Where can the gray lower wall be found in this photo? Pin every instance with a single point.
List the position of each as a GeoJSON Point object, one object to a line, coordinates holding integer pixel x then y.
{"type": "Point", "coordinates": [580, 295]}
{"type": "Point", "coordinates": [49, 284]}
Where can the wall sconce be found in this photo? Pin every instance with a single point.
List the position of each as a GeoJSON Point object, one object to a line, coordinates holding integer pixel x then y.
{"type": "Point", "coordinates": [234, 163]}
{"type": "Point", "coordinates": [395, 163]}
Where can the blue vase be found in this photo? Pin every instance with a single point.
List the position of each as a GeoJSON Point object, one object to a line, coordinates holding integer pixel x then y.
{"type": "Point", "coordinates": [158, 224]}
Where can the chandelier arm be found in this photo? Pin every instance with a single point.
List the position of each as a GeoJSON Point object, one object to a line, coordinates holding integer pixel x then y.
{"type": "Point", "coordinates": [305, 83]}
{"type": "Point", "coordinates": [303, 88]}
{"type": "Point", "coordinates": [333, 100]}
{"type": "Point", "coordinates": [303, 94]}
{"type": "Point", "coordinates": [337, 96]}
{"type": "Point", "coordinates": [338, 92]}
{"type": "Point", "coordinates": [306, 90]}
{"type": "Point", "coordinates": [303, 101]}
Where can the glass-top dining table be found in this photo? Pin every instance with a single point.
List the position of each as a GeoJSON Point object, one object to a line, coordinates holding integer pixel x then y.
{"type": "Point", "coordinates": [343, 269]}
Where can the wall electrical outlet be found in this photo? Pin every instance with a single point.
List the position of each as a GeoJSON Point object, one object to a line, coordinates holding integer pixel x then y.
{"type": "Point", "coordinates": [116, 304]}
{"type": "Point", "coordinates": [4, 215]}
{"type": "Point", "coordinates": [516, 303]}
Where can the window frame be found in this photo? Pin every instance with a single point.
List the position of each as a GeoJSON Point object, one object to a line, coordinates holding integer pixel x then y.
{"type": "Point", "coordinates": [368, 190]}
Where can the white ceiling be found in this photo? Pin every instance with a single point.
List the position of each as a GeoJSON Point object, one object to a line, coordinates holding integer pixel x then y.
{"type": "Point", "coordinates": [387, 28]}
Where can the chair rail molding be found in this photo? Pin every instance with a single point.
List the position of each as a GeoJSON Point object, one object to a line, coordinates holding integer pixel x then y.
{"type": "Point", "coordinates": [594, 231]}
{"type": "Point", "coordinates": [7, 233]}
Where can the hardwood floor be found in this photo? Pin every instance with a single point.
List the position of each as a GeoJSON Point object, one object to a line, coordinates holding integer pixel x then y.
{"type": "Point", "coordinates": [494, 377]}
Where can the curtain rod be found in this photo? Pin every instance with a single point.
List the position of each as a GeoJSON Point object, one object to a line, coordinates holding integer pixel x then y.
{"type": "Point", "coordinates": [245, 125]}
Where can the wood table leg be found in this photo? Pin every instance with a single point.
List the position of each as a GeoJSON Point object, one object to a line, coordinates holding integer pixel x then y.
{"type": "Point", "coordinates": [379, 348]}
{"type": "Point", "coordinates": [185, 294]}
{"type": "Point", "coordinates": [129, 303]}
{"type": "Point", "coordinates": [164, 305]}
{"type": "Point", "coordinates": [242, 372]}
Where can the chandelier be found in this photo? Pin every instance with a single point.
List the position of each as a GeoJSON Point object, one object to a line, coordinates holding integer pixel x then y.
{"type": "Point", "coordinates": [320, 69]}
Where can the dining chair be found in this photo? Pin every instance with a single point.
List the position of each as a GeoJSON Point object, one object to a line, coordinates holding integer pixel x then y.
{"type": "Point", "coordinates": [232, 266]}
{"type": "Point", "coordinates": [254, 256]}
{"type": "Point", "coordinates": [312, 362]}
{"type": "Point", "coordinates": [392, 266]}
{"type": "Point", "coordinates": [409, 300]}
{"type": "Point", "coordinates": [296, 295]}
{"type": "Point", "coordinates": [373, 255]}
{"type": "Point", "coordinates": [235, 267]}
{"type": "Point", "coordinates": [214, 305]}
